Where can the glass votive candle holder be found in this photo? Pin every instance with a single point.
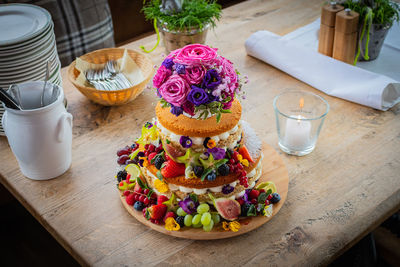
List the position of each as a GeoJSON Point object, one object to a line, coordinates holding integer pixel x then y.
{"type": "Point", "coordinates": [299, 119]}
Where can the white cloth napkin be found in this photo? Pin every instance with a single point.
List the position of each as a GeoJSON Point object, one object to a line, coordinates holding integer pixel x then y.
{"type": "Point", "coordinates": [333, 77]}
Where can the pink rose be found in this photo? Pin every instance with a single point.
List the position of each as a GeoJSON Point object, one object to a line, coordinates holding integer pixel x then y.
{"type": "Point", "coordinates": [228, 71]}
{"type": "Point", "coordinates": [196, 54]}
{"type": "Point", "coordinates": [195, 74]}
{"type": "Point", "coordinates": [161, 75]}
{"type": "Point", "coordinates": [175, 90]}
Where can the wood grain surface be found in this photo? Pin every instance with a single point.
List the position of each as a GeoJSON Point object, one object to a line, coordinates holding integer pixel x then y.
{"type": "Point", "coordinates": [346, 187]}
{"type": "Point", "coordinates": [273, 170]}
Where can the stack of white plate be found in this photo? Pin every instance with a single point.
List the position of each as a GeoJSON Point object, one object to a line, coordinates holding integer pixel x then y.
{"type": "Point", "coordinates": [27, 42]}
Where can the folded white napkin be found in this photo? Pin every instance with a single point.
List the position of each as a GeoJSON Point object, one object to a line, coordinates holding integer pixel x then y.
{"type": "Point", "coordinates": [331, 76]}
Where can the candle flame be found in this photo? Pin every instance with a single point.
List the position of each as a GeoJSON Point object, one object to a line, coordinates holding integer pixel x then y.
{"type": "Point", "coordinates": [301, 103]}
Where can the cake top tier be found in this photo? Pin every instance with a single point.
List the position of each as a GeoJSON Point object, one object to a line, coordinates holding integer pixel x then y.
{"type": "Point", "coordinates": [196, 82]}
{"type": "Point", "coordinates": [186, 126]}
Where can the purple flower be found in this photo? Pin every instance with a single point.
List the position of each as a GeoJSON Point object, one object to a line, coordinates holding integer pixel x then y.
{"type": "Point", "coordinates": [226, 189]}
{"type": "Point", "coordinates": [185, 141]}
{"type": "Point", "coordinates": [180, 68]}
{"type": "Point", "coordinates": [218, 153]}
{"type": "Point", "coordinates": [198, 96]}
{"type": "Point", "coordinates": [176, 110]}
{"type": "Point", "coordinates": [211, 79]}
{"type": "Point", "coordinates": [188, 205]}
{"type": "Point", "coordinates": [168, 63]}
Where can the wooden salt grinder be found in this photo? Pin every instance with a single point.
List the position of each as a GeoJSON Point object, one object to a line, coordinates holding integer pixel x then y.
{"type": "Point", "coordinates": [327, 29]}
{"type": "Point", "coordinates": [345, 42]}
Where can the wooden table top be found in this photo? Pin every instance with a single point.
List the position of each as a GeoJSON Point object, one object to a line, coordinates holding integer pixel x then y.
{"type": "Point", "coordinates": [337, 194]}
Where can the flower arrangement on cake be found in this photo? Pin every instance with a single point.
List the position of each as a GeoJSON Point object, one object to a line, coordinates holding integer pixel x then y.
{"type": "Point", "coordinates": [197, 81]}
{"type": "Point", "coordinates": [189, 169]}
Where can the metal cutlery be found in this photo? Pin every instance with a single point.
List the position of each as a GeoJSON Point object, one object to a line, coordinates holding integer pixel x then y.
{"type": "Point", "coordinates": [109, 78]}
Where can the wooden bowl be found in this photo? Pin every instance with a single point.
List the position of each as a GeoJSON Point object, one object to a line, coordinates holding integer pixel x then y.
{"type": "Point", "coordinates": [116, 97]}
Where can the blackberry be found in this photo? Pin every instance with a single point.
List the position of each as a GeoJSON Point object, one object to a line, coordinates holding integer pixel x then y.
{"type": "Point", "coordinates": [275, 198]}
{"type": "Point", "coordinates": [180, 220]}
{"type": "Point", "coordinates": [223, 170]}
{"type": "Point", "coordinates": [211, 176]}
{"type": "Point", "coordinates": [198, 170]}
{"type": "Point", "coordinates": [245, 208]}
{"type": "Point", "coordinates": [139, 206]}
{"type": "Point", "coordinates": [158, 162]}
{"type": "Point", "coordinates": [121, 175]}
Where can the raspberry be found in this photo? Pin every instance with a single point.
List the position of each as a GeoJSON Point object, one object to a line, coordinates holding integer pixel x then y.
{"type": "Point", "coordinates": [141, 198]}
{"type": "Point", "coordinates": [232, 161]}
{"type": "Point", "coordinates": [254, 194]}
{"type": "Point", "coordinates": [151, 148]}
{"type": "Point", "coordinates": [254, 201]}
{"type": "Point", "coordinates": [126, 193]}
{"type": "Point", "coordinates": [146, 146]}
{"type": "Point", "coordinates": [269, 196]}
{"type": "Point", "coordinates": [146, 201]}
{"type": "Point", "coordinates": [146, 191]}
{"type": "Point", "coordinates": [261, 191]}
{"type": "Point", "coordinates": [241, 201]}
{"type": "Point", "coordinates": [130, 199]}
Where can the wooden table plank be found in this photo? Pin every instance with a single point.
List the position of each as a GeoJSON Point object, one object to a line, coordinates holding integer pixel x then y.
{"type": "Point", "coordinates": [338, 193]}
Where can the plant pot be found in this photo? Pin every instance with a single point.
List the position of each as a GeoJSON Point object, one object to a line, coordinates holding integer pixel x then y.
{"type": "Point", "coordinates": [178, 39]}
{"type": "Point", "coordinates": [377, 36]}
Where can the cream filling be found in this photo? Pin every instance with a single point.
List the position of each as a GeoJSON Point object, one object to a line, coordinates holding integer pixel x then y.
{"type": "Point", "coordinates": [200, 191]}
{"type": "Point", "coordinates": [199, 140]}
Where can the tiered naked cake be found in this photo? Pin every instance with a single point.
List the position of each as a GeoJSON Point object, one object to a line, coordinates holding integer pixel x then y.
{"type": "Point", "coordinates": [197, 163]}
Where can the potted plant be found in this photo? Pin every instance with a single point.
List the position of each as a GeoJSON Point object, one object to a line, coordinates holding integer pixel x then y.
{"type": "Point", "coordinates": [181, 22]}
{"type": "Point", "coordinates": [376, 18]}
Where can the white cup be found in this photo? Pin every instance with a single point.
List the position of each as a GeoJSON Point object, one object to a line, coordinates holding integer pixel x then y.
{"type": "Point", "coordinates": [40, 137]}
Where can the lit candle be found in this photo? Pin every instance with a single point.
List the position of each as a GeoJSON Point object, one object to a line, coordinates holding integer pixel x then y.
{"type": "Point", "coordinates": [297, 134]}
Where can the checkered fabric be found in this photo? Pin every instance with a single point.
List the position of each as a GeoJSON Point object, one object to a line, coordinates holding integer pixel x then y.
{"type": "Point", "coordinates": [80, 26]}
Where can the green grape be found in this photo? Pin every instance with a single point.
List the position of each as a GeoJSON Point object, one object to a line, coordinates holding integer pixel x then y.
{"type": "Point", "coordinates": [196, 219]}
{"type": "Point", "coordinates": [180, 212]}
{"type": "Point", "coordinates": [188, 220]}
{"type": "Point", "coordinates": [209, 226]}
{"type": "Point", "coordinates": [203, 208]}
{"type": "Point", "coordinates": [197, 225]}
{"type": "Point", "coordinates": [206, 218]}
{"type": "Point", "coordinates": [215, 218]}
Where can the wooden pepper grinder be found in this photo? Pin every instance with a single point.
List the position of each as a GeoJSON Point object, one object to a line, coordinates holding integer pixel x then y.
{"type": "Point", "coordinates": [346, 30]}
{"type": "Point", "coordinates": [327, 29]}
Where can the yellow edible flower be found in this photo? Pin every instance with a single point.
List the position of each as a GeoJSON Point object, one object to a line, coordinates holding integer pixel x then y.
{"type": "Point", "coordinates": [171, 224]}
{"type": "Point", "coordinates": [244, 162]}
{"type": "Point", "coordinates": [225, 225]}
{"type": "Point", "coordinates": [211, 143]}
{"type": "Point", "coordinates": [161, 186]}
{"type": "Point", "coordinates": [234, 226]}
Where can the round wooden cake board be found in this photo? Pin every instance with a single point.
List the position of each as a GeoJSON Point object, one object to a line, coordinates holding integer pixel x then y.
{"type": "Point", "coordinates": [274, 170]}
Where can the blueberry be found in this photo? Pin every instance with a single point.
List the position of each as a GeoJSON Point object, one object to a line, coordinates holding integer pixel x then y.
{"type": "Point", "coordinates": [121, 175]}
{"type": "Point", "coordinates": [198, 170]}
{"type": "Point", "coordinates": [133, 146]}
{"type": "Point", "coordinates": [223, 170]}
{"type": "Point", "coordinates": [180, 220]}
{"type": "Point", "coordinates": [245, 208]}
{"type": "Point", "coordinates": [211, 176]}
{"type": "Point", "coordinates": [275, 198]}
{"type": "Point", "coordinates": [158, 162]}
{"type": "Point", "coordinates": [138, 206]}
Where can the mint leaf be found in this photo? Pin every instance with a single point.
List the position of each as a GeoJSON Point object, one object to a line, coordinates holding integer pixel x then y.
{"type": "Point", "coordinates": [193, 197]}
{"type": "Point", "coordinates": [262, 197]}
{"type": "Point", "coordinates": [252, 211]}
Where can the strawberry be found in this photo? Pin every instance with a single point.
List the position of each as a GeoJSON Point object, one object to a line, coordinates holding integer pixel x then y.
{"type": "Point", "coordinates": [245, 153]}
{"type": "Point", "coordinates": [173, 169]}
{"type": "Point", "coordinates": [130, 199]}
{"type": "Point", "coordinates": [151, 156]}
{"type": "Point", "coordinates": [254, 194]}
{"type": "Point", "coordinates": [169, 214]}
{"type": "Point", "coordinates": [161, 199]}
{"type": "Point", "coordinates": [157, 211]}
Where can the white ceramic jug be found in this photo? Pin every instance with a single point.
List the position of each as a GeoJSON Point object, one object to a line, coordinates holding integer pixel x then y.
{"type": "Point", "coordinates": [40, 137]}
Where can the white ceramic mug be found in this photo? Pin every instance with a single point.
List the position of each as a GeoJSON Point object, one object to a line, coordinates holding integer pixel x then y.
{"type": "Point", "coordinates": [40, 137]}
